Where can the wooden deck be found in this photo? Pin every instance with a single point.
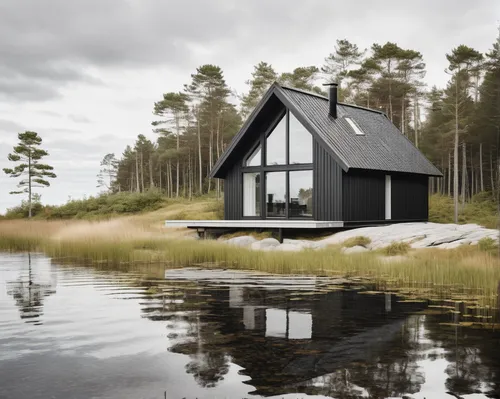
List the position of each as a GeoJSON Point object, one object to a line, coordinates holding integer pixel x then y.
{"type": "Point", "coordinates": [254, 224]}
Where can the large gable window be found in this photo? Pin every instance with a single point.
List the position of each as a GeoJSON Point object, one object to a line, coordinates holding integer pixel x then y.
{"type": "Point", "coordinates": [276, 144]}
{"type": "Point", "coordinates": [300, 142]}
{"type": "Point", "coordinates": [278, 172]}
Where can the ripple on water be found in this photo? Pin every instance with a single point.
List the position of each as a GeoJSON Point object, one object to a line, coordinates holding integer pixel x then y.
{"type": "Point", "coordinates": [221, 333]}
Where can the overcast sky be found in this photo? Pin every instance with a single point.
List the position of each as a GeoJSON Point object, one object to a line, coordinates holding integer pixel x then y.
{"type": "Point", "coordinates": [84, 74]}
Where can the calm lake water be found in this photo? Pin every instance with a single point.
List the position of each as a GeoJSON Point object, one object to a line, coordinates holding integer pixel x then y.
{"type": "Point", "coordinates": [67, 331]}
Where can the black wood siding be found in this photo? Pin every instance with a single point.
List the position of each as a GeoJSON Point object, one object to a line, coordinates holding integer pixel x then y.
{"type": "Point", "coordinates": [410, 198]}
{"type": "Point", "coordinates": [363, 196]}
{"type": "Point", "coordinates": [327, 185]}
{"type": "Point", "coordinates": [233, 194]}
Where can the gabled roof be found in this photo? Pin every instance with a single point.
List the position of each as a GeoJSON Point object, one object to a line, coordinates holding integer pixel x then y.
{"type": "Point", "coordinates": [381, 148]}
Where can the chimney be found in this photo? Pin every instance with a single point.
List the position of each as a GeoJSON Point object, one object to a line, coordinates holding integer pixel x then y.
{"type": "Point", "coordinates": [332, 99]}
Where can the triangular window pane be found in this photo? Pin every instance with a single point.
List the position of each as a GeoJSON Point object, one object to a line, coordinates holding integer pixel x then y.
{"type": "Point", "coordinates": [276, 145]}
{"type": "Point", "coordinates": [254, 158]}
{"type": "Point", "coordinates": [300, 142]}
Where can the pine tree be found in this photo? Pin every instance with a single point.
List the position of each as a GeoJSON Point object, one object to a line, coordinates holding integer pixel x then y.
{"type": "Point", "coordinates": [174, 109]}
{"type": "Point", "coordinates": [337, 65]}
{"type": "Point", "coordinates": [303, 78]}
{"type": "Point", "coordinates": [107, 175]}
{"type": "Point", "coordinates": [263, 76]}
{"type": "Point", "coordinates": [34, 173]}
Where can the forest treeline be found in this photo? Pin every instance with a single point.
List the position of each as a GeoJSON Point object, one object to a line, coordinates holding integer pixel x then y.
{"type": "Point", "coordinates": [457, 126]}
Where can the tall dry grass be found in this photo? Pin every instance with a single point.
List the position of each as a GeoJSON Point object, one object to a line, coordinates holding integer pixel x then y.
{"type": "Point", "coordinates": [143, 239]}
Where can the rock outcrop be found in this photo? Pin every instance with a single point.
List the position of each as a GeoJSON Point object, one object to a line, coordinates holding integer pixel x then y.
{"type": "Point", "coordinates": [418, 235]}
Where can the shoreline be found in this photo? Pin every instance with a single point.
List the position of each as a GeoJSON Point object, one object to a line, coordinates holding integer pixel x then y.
{"type": "Point", "coordinates": [126, 241]}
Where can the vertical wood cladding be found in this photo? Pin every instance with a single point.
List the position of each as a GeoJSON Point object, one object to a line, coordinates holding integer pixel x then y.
{"type": "Point", "coordinates": [327, 185]}
{"type": "Point", "coordinates": [363, 196]}
{"type": "Point", "coordinates": [410, 198]}
{"type": "Point", "coordinates": [233, 194]}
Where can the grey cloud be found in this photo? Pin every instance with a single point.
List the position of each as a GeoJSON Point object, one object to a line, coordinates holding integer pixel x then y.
{"type": "Point", "coordinates": [79, 118]}
{"type": "Point", "coordinates": [10, 127]}
{"type": "Point", "coordinates": [46, 45]}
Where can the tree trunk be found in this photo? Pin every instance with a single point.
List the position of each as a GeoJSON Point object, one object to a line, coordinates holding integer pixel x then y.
{"type": "Point", "coordinates": [390, 90]}
{"type": "Point", "coordinates": [464, 172]}
{"type": "Point", "coordinates": [210, 158]}
{"type": "Point", "coordinates": [492, 172]}
{"type": "Point", "coordinates": [138, 188]}
{"type": "Point", "coordinates": [200, 163]}
{"type": "Point", "coordinates": [29, 187]}
{"type": "Point", "coordinates": [416, 117]}
{"type": "Point", "coordinates": [218, 155]}
{"type": "Point", "coordinates": [403, 130]}
{"type": "Point", "coordinates": [455, 167]}
{"type": "Point", "coordinates": [471, 191]}
{"type": "Point", "coordinates": [159, 175]}
{"type": "Point", "coordinates": [151, 181]}
{"type": "Point", "coordinates": [178, 131]}
{"type": "Point", "coordinates": [449, 174]}
{"type": "Point", "coordinates": [481, 165]}
{"type": "Point", "coordinates": [142, 171]}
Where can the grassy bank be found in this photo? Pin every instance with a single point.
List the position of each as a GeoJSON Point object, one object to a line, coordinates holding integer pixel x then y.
{"type": "Point", "coordinates": [107, 206]}
{"type": "Point", "coordinates": [142, 239]}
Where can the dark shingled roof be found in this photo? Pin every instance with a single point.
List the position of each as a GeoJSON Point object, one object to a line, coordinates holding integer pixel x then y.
{"type": "Point", "coordinates": [382, 147]}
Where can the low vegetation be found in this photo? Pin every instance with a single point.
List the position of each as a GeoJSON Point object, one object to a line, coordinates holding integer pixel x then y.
{"type": "Point", "coordinates": [357, 241]}
{"type": "Point", "coordinates": [481, 210]}
{"type": "Point", "coordinates": [118, 204]}
{"type": "Point", "coordinates": [397, 248]}
{"type": "Point", "coordinates": [487, 244]}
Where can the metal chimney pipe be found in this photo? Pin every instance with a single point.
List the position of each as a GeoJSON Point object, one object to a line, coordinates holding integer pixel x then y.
{"type": "Point", "coordinates": [332, 99]}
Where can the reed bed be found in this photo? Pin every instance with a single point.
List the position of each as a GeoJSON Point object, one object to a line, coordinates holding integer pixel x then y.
{"type": "Point", "coordinates": [133, 240]}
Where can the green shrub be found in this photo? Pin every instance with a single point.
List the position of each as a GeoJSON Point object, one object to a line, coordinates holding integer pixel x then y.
{"type": "Point", "coordinates": [487, 244]}
{"type": "Point", "coordinates": [357, 241]}
{"type": "Point", "coordinates": [481, 210]}
{"type": "Point", "coordinates": [397, 248]}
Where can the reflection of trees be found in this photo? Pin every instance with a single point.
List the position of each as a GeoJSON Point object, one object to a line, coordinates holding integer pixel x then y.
{"type": "Point", "coordinates": [391, 371]}
{"type": "Point", "coordinates": [29, 294]}
{"type": "Point", "coordinates": [209, 362]}
{"type": "Point", "coordinates": [208, 368]}
{"type": "Point", "coordinates": [472, 356]}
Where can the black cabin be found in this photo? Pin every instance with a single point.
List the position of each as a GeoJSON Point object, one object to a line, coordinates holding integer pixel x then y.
{"type": "Point", "coordinates": [302, 156]}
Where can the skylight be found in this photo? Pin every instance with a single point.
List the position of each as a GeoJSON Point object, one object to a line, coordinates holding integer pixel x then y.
{"type": "Point", "coordinates": [355, 127]}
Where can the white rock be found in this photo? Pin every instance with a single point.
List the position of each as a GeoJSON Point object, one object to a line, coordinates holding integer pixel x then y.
{"type": "Point", "coordinates": [354, 250]}
{"type": "Point", "coordinates": [418, 235]}
{"type": "Point", "coordinates": [243, 241]}
{"type": "Point", "coordinates": [265, 244]}
{"type": "Point", "coordinates": [288, 247]}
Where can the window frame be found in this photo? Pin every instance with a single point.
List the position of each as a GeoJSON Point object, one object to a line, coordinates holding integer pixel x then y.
{"type": "Point", "coordinates": [263, 168]}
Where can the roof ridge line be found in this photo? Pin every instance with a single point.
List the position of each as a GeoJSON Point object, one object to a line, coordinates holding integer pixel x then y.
{"type": "Point", "coordinates": [310, 93]}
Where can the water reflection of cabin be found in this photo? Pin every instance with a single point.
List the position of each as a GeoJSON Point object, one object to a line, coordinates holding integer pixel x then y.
{"type": "Point", "coordinates": [283, 339]}
{"type": "Point", "coordinates": [303, 160]}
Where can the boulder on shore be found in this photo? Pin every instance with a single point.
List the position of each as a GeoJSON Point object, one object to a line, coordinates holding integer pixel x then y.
{"type": "Point", "coordinates": [243, 241]}
{"type": "Point", "coordinates": [265, 244]}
